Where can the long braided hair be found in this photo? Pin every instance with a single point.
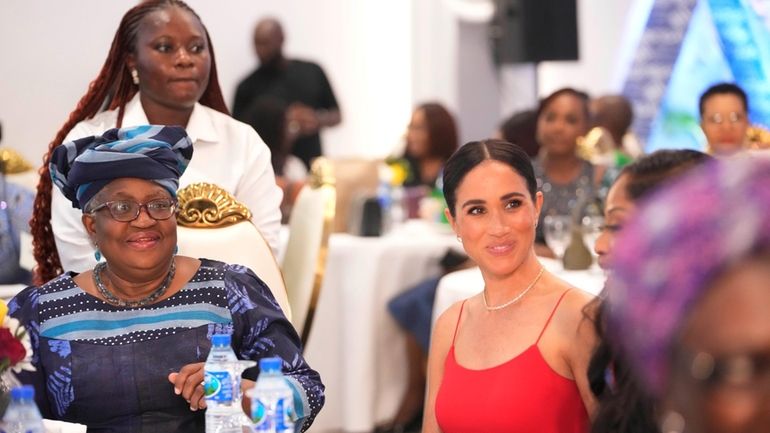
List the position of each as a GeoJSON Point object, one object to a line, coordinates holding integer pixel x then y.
{"type": "Point", "coordinates": [111, 90]}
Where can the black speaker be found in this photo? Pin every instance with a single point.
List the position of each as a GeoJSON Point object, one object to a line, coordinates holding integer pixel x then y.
{"type": "Point", "coordinates": [526, 31]}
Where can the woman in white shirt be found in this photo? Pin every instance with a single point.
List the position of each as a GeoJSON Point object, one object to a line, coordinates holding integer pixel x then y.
{"type": "Point", "coordinates": [160, 70]}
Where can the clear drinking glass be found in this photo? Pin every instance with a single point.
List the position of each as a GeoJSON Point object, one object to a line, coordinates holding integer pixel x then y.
{"type": "Point", "coordinates": [556, 229]}
{"type": "Point", "coordinates": [592, 228]}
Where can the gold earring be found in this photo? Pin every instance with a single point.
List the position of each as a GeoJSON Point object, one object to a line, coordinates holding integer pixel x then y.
{"type": "Point", "coordinates": [135, 76]}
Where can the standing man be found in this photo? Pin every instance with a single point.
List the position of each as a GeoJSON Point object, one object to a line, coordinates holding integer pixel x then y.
{"type": "Point", "coordinates": [302, 85]}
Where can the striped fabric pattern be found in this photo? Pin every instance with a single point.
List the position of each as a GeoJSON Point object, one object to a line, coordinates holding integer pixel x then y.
{"type": "Point", "coordinates": [81, 168]}
{"type": "Point", "coordinates": [68, 313]}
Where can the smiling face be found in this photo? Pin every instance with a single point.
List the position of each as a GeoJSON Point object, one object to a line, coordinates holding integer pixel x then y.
{"type": "Point", "coordinates": [135, 246]}
{"type": "Point", "coordinates": [561, 123]}
{"type": "Point", "coordinates": [172, 59]}
{"type": "Point", "coordinates": [732, 325]}
{"type": "Point", "coordinates": [617, 209]}
{"type": "Point", "coordinates": [495, 217]}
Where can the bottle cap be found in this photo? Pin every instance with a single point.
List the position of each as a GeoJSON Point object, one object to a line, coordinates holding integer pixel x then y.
{"type": "Point", "coordinates": [24, 392]}
{"type": "Point", "coordinates": [220, 340]}
{"type": "Point", "coordinates": [270, 364]}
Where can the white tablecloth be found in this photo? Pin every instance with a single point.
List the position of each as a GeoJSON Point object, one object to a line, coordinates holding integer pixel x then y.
{"type": "Point", "coordinates": [460, 285]}
{"type": "Point", "coordinates": [355, 345]}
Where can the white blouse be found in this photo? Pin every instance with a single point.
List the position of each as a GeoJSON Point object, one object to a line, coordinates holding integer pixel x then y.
{"type": "Point", "coordinates": [226, 152]}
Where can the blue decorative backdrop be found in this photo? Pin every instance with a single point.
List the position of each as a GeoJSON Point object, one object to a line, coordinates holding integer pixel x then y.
{"type": "Point", "coordinates": [687, 46]}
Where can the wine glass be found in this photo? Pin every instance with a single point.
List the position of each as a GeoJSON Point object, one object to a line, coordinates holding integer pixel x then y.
{"type": "Point", "coordinates": [592, 228]}
{"type": "Point", "coordinates": [556, 229]}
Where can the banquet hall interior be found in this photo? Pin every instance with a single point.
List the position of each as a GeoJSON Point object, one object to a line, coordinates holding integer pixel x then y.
{"type": "Point", "coordinates": [361, 226]}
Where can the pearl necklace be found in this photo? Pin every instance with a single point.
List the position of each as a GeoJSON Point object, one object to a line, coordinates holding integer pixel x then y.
{"type": "Point", "coordinates": [114, 300]}
{"type": "Point", "coordinates": [514, 300]}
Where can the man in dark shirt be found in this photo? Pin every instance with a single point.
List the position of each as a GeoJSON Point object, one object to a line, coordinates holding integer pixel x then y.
{"type": "Point", "coordinates": [302, 85]}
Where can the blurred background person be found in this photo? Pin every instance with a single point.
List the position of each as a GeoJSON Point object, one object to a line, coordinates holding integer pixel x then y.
{"type": "Point", "coordinates": [614, 115]}
{"type": "Point", "coordinates": [268, 117]}
{"type": "Point", "coordinates": [521, 130]}
{"type": "Point", "coordinates": [15, 213]}
{"type": "Point", "coordinates": [513, 357]}
{"type": "Point", "coordinates": [145, 313]}
{"type": "Point", "coordinates": [302, 85]}
{"type": "Point", "coordinates": [623, 405]}
{"type": "Point", "coordinates": [431, 138]}
{"type": "Point", "coordinates": [703, 355]}
{"type": "Point", "coordinates": [161, 70]}
{"type": "Point", "coordinates": [566, 179]}
{"type": "Point", "coordinates": [413, 311]}
{"type": "Point", "coordinates": [724, 116]}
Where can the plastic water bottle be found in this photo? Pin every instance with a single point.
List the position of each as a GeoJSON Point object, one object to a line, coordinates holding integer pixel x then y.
{"type": "Point", "coordinates": [222, 386]}
{"type": "Point", "coordinates": [22, 415]}
{"type": "Point", "coordinates": [272, 400]}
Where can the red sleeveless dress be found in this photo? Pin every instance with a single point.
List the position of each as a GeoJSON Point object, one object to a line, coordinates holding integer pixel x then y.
{"type": "Point", "coordinates": [521, 395]}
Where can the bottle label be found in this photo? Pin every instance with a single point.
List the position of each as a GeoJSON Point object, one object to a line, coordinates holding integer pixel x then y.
{"type": "Point", "coordinates": [259, 416]}
{"type": "Point", "coordinates": [218, 386]}
{"type": "Point", "coordinates": [284, 414]}
{"type": "Point", "coordinates": [279, 418]}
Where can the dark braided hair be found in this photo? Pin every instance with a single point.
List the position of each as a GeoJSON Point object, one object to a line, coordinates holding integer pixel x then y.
{"type": "Point", "coordinates": [111, 89]}
{"type": "Point", "coordinates": [624, 406]}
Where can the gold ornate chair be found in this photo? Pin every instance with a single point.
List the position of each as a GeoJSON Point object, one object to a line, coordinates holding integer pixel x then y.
{"type": "Point", "coordinates": [213, 224]}
{"type": "Point", "coordinates": [310, 225]}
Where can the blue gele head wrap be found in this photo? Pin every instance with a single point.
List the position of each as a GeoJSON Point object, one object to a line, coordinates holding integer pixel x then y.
{"type": "Point", "coordinates": [81, 168]}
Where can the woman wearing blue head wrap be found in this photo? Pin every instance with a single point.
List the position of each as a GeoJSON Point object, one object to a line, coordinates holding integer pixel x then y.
{"type": "Point", "coordinates": [121, 347]}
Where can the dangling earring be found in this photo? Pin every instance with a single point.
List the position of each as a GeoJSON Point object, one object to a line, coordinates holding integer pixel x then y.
{"type": "Point", "coordinates": [459, 239]}
{"type": "Point", "coordinates": [135, 76]}
{"type": "Point", "coordinates": [97, 255]}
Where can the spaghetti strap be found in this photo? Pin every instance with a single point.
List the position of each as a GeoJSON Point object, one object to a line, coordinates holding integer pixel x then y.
{"type": "Point", "coordinates": [547, 322]}
{"type": "Point", "coordinates": [457, 325]}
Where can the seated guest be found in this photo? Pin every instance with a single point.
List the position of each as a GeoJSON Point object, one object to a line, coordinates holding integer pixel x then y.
{"type": "Point", "coordinates": [14, 218]}
{"type": "Point", "coordinates": [121, 347]}
{"type": "Point", "coordinates": [268, 117]}
{"type": "Point", "coordinates": [565, 179]}
{"type": "Point", "coordinates": [614, 115]}
{"type": "Point", "coordinates": [724, 112]}
{"type": "Point", "coordinates": [514, 357]}
{"type": "Point", "coordinates": [688, 298]}
{"type": "Point", "coordinates": [520, 129]}
{"type": "Point", "coordinates": [413, 311]}
{"type": "Point", "coordinates": [623, 406]}
{"type": "Point", "coordinates": [160, 70]}
{"type": "Point", "coordinates": [430, 140]}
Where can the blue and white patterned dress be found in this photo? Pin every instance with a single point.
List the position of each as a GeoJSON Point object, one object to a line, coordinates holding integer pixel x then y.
{"type": "Point", "coordinates": [107, 366]}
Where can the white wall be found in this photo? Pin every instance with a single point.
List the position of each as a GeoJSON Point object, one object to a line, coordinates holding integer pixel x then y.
{"type": "Point", "coordinates": [382, 58]}
{"type": "Point", "coordinates": [51, 50]}
{"type": "Point", "coordinates": [606, 42]}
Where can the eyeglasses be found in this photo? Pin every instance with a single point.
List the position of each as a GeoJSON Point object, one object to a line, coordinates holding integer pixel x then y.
{"type": "Point", "coordinates": [731, 118]}
{"type": "Point", "coordinates": [733, 371]}
{"type": "Point", "coordinates": [128, 210]}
